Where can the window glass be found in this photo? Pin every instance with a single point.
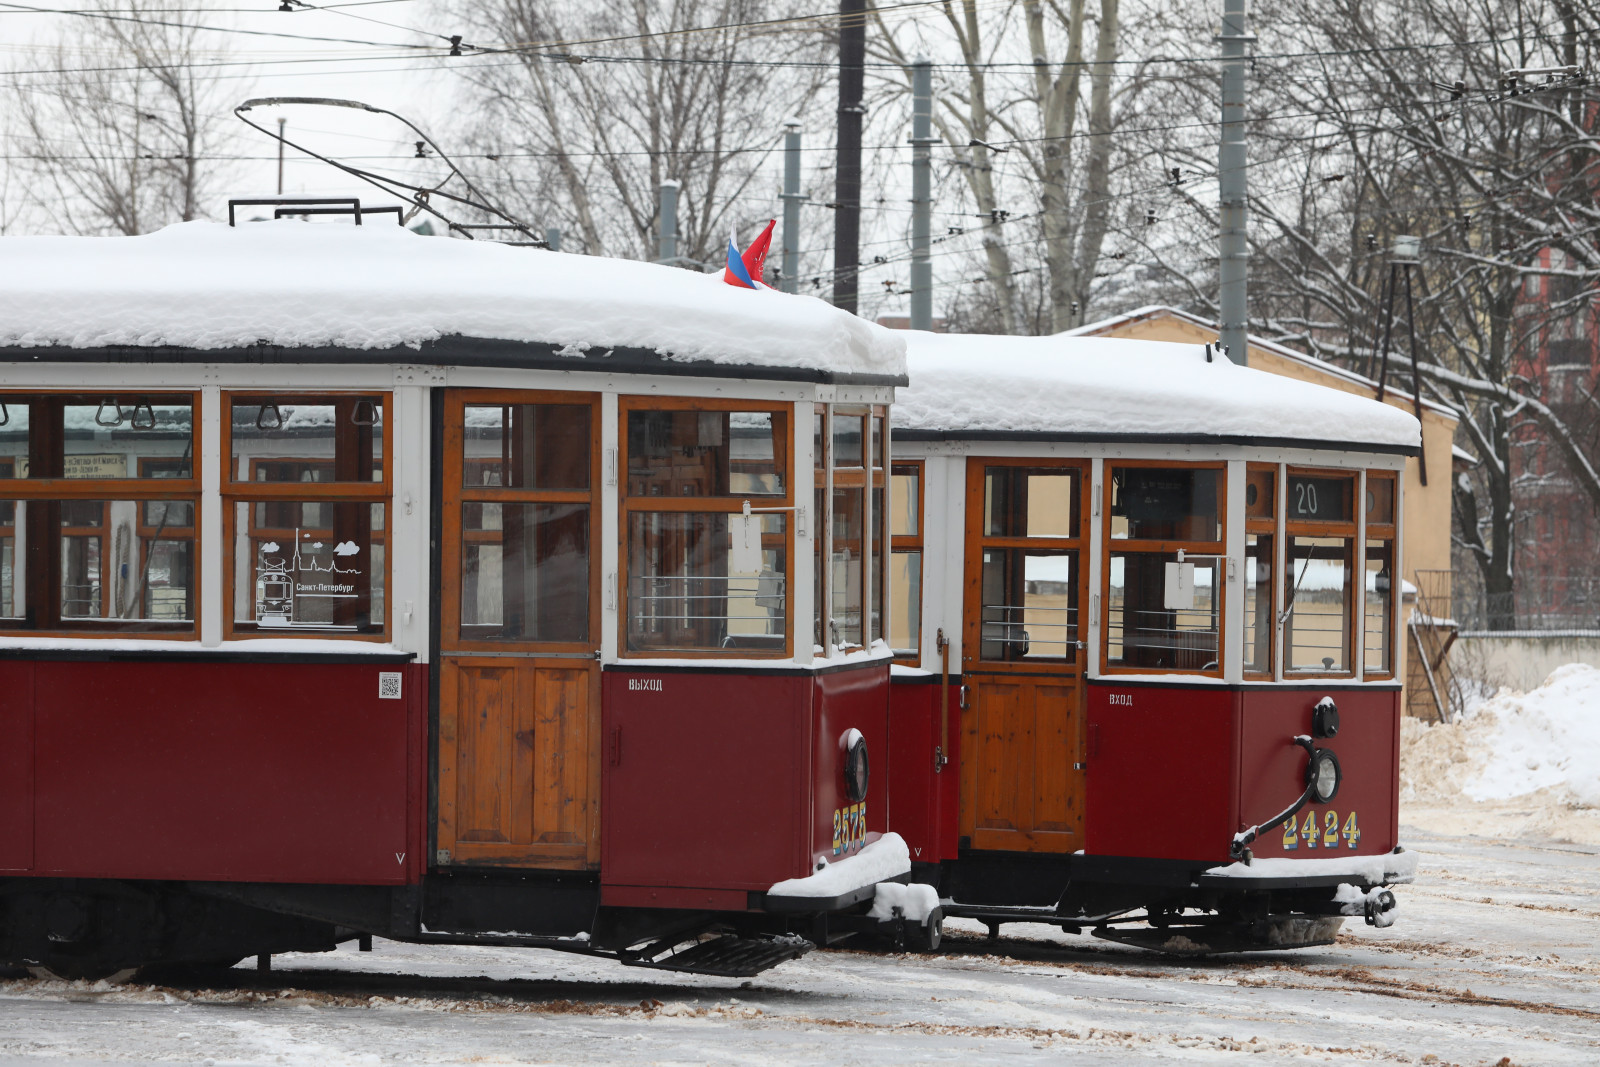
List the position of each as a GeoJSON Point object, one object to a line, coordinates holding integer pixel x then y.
{"type": "Point", "coordinates": [1380, 500]}
{"type": "Point", "coordinates": [845, 576]}
{"type": "Point", "coordinates": [683, 594]}
{"type": "Point", "coordinates": [14, 424]}
{"type": "Point", "coordinates": [1379, 607]}
{"type": "Point", "coordinates": [1147, 627]}
{"type": "Point", "coordinates": [309, 566]}
{"type": "Point", "coordinates": [686, 453]}
{"type": "Point", "coordinates": [879, 572]}
{"type": "Point", "coordinates": [1259, 499]}
{"type": "Point", "coordinates": [297, 439]}
{"type": "Point", "coordinates": [111, 567]}
{"type": "Point", "coordinates": [905, 615]}
{"type": "Point", "coordinates": [526, 446]}
{"type": "Point", "coordinates": [525, 571]}
{"type": "Point", "coordinates": [877, 440]}
{"type": "Point", "coordinates": [817, 571]}
{"type": "Point", "coordinates": [1317, 603]}
{"type": "Point", "coordinates": [819, 455]}
{"type": "Point", "coordinates": [1029, 606]}
{"type": "Point", "coordinates": [1319, 498]}
{"type": "Point", "coordinates": [1166, 504]}
{"type": "Point", "coordinates": [112, 437]}
{"type": "Point", "coordinates": [1030, 502]}
{"type": "Point", "coordinates": [905, 486]}
{"type": "Point", "coordinates": [846, 440]}
{"type": "Point", "coordinates": [1258, 604]}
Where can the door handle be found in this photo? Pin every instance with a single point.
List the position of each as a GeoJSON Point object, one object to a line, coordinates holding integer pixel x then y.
{"type": "Point", "coordinates": [966, 694]}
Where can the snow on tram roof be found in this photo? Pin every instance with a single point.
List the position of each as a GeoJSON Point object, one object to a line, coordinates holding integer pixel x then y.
{"type": "Point", "coordinates": [1093, 387]}
{"type": "Point", "coordinates": [204, 285]}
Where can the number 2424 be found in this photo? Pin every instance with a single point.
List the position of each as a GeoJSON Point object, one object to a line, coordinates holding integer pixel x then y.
{"type": "Point", "coordinates": [1306, 829]}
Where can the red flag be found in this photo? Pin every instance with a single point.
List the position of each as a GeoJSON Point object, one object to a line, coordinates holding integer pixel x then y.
{"type": "Point", "coordinates": [754, 258]}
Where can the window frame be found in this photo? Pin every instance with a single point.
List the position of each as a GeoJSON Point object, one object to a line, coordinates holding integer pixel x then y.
{"type": "Point", "coordinates": [899, 543]}
{"type": "Point", "coordinates": [1267, 527]}
{"type": "Point", "coordinates": [1355, 595]}
{"type": "Point", "coordinates": [731, 504]}
{"type": "Point", "coordinates": [133, 488]}
{"type": "Point", "coordinates": [1216, 550]}
{"type": "Point", "coordinates": [977, 540]}
{"type": "Point", "coordinates": [1386, 532]}
{"type": "Point", "coordinates": [236, 491]}
{"type": "Point", "coordinates": [454, 537]}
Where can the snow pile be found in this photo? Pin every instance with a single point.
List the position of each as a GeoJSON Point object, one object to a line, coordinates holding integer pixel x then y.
{"type": "Point", "coordinates": [1388, 868]}
{"type": "Point", "coordinates": [1543, 739]}
{"type": "Point", "coordinates": [207, 285]}
{"type": "Point", "coordinates": [916, 901]}
{"type": "Point", "coordinates": [1102, 386]}
{"type": "Point", "coordinates": [878, 861]}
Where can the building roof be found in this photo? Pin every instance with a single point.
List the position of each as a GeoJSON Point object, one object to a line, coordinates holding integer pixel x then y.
{"type": "Point", "coordinates": [1090, 388]}
{"type": "Point", "coordinates": [325, 291]}
{"type": "Point", "coordinates": [1160, 311]}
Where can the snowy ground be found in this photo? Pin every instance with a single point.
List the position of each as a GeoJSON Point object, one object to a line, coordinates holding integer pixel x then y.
{"type": "Point", "coordinates": [1495, 960]}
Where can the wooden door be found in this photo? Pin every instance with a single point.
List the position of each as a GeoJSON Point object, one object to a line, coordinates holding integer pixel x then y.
{"type": "Point", "coordinates": [1022, 785]}
{"type": "Point", "coordinates": [519, 683]}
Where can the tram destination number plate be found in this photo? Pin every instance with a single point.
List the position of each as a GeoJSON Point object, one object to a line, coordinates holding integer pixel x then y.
{"type": "Point", "coordinates": [1323, 830]}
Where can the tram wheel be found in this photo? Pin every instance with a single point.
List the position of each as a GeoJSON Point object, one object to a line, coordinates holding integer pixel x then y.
{"type": "Point", "coordinates": [929, 935]}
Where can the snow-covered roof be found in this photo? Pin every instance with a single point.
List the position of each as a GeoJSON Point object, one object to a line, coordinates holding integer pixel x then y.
{"type": "Point", "coordinates": [1092, 387]}
{"type": "Point", "coordinates": [203, 285]}
{"type": "Point", "coordinates": [1154, 311]}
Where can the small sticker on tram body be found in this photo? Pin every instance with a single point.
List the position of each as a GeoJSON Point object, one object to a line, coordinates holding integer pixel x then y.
{"type": "Point", "coordinates": [388, 685]}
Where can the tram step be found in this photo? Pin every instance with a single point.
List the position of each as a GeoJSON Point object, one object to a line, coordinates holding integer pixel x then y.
{"type": "Point", "coordinates": [1268, 935]}
{"type": "Point", "coordinates": [728, 957]}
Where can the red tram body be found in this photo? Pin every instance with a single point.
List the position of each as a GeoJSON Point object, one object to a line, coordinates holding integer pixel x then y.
{"type": "Point", "coordinates": [487, 604]}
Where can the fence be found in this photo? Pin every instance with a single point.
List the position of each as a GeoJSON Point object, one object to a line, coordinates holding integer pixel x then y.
{"type": "Point", "coordinates": [1541, 603]}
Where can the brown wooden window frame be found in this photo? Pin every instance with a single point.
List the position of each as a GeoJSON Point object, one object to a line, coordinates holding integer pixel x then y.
{"type": "Point", "coordinates": [1210, 549]}
{"type": "Point", "coordinates": [729, 504]}
{"type": "Point", "coordinates": [1263, 527]}
{"type": "Point", "coordinates": [1355, 594]}
{"type": "Point", "coordinates": [1386, 532]}
{"type": "Point", "coordinates": [47, 450]}
{"type": "Point", "coordinates": [912, 542]}
{"type": "Point", "coordinates": [236, 491]}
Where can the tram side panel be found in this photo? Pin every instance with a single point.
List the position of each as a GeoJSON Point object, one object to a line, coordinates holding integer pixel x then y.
{"type": "Point", "coordinates": [924, 800]}
{"type": "Point", "coordinates": [848, 700]}
{"type": "Point", "coordinates": [1363, 819]}
{"type": "Point", "coordinates": [1162, 771]}
{"type": "Point", "coordinates": [16, 765]}
{"type": "Point", "coordinates": [254, 772]}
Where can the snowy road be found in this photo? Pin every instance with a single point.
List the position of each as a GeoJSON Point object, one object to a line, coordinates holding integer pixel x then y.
{"type": "Point", "coordinates": [1496, 955]}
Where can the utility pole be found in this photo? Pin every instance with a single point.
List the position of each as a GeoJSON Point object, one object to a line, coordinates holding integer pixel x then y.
{"type": "Point", "coordinates": [847, 186]}
{"type": "Point", "coordinates": [1233, 252]}
{"type": "Point", "coordinates": [552, 238]}
{"type": "Point", "coordinates": [282, 122]}
{"type": "Point", "coordinates": [792, 198]}
{"type": "Point", "coordinates": [667, 246]}
{"type": "Point", "coordinates": [921, 194]}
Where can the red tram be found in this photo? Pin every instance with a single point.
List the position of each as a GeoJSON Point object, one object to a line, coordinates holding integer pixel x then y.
{"type": "Point", "coordinates": [1148, 597]}
{"type": "Point", "coordinates": [354, 582]}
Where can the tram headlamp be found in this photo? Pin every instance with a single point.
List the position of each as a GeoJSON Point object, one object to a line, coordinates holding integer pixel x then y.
{"type": "Point", "coordinates": [1323, 776]}
{"type": "Point", "coordinates": [857, 770]}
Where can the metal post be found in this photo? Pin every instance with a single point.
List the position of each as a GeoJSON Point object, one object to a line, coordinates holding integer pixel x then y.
{"type": "Point", "coordinates": [282, 122]}
{"type": "Point", "coordinates": [921, 194]}
{"type": "Point", "coordinates": [552, 238]}
{"type": "Point", "coordinates": [1233, 252]}
{"type": "Point", "coordinates": [847, 182]}
{"type": "Point", "coordinates": [667, 252]}
{"type": "Point", "coordinates": [792, 198]}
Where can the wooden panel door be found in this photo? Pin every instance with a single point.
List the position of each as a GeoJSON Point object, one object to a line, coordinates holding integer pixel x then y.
{"type": "Point", "coordinates": [519, 683]}
{"type": "Point", "coordinates": [1022, 787]}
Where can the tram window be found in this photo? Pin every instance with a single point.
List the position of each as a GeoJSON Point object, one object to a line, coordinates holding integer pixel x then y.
{"type": "Point", "coordinates": [312, 567]}
{"type": "Point", "coordinates": [1259, 562]}
{"type": "Point", "coordinates": [846, 574]}
{"type": "Point", "coordinates": [877, 440]}
{"type": "Point", "coordinates": [905, 513]}
{"type": "Point", "coordinates": [1379, 607]}
{"type": "Point", "coordinates": [1259, 500]}
{"type": "Point", "coordinates": [1320, 499]}
{"type": "Point", "coordinates": [1144, 632]}
{"type": "Point", "coordinates": [524, 572]}
{"type": "Point", "coordinates": [1029, 607]}
{"type": "Point", "coordinates": [819, 455]}
{"type": "Point", "coordinates": [1317, 604]}
{"type": "Point", "coordinates": [1030, 502]}
{"type": "Point", "coordinates": [107, 437]}
{"type": "Point", "coordinates": [688, 453]}
{"type": "Point", "coordinates": [1166, 504]}
{"type": "Point", "coordinates": [684, 594]}
{"type": "Point", "coordinates": [1380, 499]}
{"type": "Point", "coordinates": [14, 431]}
{"type": "Point", "coordinates": [817, 570]}
{"type": "Point", "coordinates": [905, 559]}
{"type": "Point", "coordinates": [526, 446]}
{"type": "Point", "coordinates": [306, 439]}
{"type": "Point", "coordinates": [847, 441]}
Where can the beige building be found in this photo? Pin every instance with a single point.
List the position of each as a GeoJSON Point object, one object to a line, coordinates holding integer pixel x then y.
{"type": "Point", "coordinates": [1426, 562]}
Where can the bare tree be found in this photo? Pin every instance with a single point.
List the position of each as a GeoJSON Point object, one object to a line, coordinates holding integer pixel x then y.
{"type": "Point", "coordinates": [123, 137]}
